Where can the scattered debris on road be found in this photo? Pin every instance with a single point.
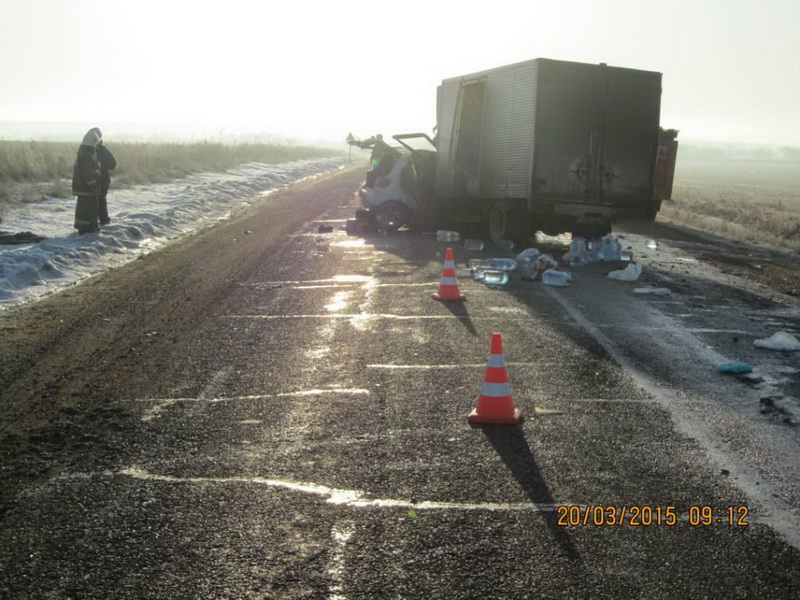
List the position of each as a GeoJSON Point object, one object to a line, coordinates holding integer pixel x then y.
{"type": "Point", "coordinates": [629, 273]}
{"type": "Point", "coordinates": [780, 340]}
{"type": "Point", "coordinates": [652, 291]}
{"type": "Point", "coordinates": [735, 368]}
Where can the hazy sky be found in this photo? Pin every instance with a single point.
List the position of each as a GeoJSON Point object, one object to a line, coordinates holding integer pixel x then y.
{"type": "Point", "coordinates": [318, 70]}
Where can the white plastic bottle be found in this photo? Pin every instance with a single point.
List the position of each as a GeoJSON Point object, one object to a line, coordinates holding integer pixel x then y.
{"type": "Point", "coordinates": [447, 236]}
{"type": "Point", "coordinates": [495, 277]}
{"type": "Point", "coordinates": [473, 245]}
{"type": "Point", "coordinates": [503, 264]}
{"type": "Point", "coordinates": [557, 278]}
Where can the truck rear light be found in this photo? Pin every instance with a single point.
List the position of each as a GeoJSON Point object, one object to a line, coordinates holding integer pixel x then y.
{"type": "Point", "coordinates": [383, 182]}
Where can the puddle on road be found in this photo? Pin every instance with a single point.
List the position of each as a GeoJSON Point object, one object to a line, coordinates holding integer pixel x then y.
{"type": "Point", "coordinates": [341, 497]}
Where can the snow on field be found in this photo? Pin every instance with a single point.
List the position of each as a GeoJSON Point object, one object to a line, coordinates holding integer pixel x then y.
{"type": "Point", "coordinates": [143, 218]}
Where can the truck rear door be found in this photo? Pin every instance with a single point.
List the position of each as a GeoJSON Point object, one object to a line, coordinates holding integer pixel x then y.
{"type": "Point", "coordinates": [596, 134]}
{"type": "Point", "coordinates": [630, 129]}
{"type": "Point", "coordinates": [566, 131]}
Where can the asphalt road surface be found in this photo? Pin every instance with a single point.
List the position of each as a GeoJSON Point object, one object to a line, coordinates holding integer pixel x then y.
{"type": "Point", "coordinates": [266, 411]}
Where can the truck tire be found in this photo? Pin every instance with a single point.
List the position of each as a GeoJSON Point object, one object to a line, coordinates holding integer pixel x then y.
{"type": "Point", "coordinates": [391, 215]}
{"type": "Point", "coordinates": [499, 227]}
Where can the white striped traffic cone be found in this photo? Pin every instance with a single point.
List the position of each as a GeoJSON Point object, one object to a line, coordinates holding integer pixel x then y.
{"type": "Point", "coordinates": [448, 286]}
{"type": "Point", "coordinates": [495, 404]}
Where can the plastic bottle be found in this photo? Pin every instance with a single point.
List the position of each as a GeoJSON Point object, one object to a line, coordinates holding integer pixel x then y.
{"type": "Point", "coordinates": [617, 249]}
{"type": "Point", "coordinates": [505, 245]}
{"type": "Point", "coordinates": [578, 261]}
{"type": "Point", "coordinates": [557, 278]}
{"type": "Point", "coordinates": [527, 266]}
{"type": "Point", "coordinates": [528, 254]}
{"type": "Point", "coordinates": [479, 263]}
{"type": "Point", "coordinates": [604, 249]}
{"type": "Point", "coordinates": [447, 236]}
{"type": "Point", "coordinates": [495, 277]}
{"type": "Point", "coordinates": [502, 264]}
{"type": "Point", "coordinates": [610, 248]}
{"type": "Point", "coordinates": [577, 248]}
{"type": "Point", "coordinates": [473, 245]}
{"type": "Point", "coordinates": [477, 267]}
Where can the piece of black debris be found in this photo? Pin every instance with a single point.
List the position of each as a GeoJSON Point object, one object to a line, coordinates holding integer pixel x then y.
{"type": "Point", "coordinates": [22, 237]}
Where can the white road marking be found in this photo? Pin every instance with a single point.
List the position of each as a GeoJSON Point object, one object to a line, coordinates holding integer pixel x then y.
{"type": "Point", "coordinates": [421, 367]}
{"type": "Point", "coordinates": [342, 497]}
{"type": "Point", "coordinates": [341, 534]}
{"type": "Point", "coordinates": [161, 404]}
{"type": "Point", "coordinates": [364, 316]}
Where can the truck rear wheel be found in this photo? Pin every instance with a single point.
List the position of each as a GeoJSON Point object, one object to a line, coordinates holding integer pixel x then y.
{"type": "Point", "coordinates": [499, 221]}
{"type": "Point", "coordinates": [509, 221]}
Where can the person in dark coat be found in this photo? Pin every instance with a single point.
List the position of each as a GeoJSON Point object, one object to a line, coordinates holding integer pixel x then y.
{"type": "Point", "coordinates": [86, 183]}
{"type": "Point", "coordinates": [107, 164]}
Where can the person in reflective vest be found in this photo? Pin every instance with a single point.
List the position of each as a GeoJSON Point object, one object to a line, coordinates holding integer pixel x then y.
{"type": "Point", "coordinates": [86, 183]}
{"type": "Point", "coordinates": [379, 147]}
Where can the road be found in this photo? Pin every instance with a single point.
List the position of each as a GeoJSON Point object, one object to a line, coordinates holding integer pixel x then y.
{"type": "Point", "coordinates": [265, 411]}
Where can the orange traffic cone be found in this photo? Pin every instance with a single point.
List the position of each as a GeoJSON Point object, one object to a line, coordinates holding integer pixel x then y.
{"type": "Point", "coordinates": [448, 286]}
{"type": "Point", "coordinates": [495, 404]}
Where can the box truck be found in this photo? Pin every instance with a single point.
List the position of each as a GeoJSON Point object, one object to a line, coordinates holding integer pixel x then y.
{"type": "Point", "coordinates": [543, 144]}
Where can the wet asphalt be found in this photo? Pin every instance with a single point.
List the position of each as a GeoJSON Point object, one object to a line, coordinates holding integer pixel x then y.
{"type": "Point", "coordinates": [307, 437]}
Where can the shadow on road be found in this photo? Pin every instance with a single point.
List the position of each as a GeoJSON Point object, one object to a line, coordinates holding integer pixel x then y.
{"type": "Point", "coordinates": [460, 311]}
{"type": "Point", "coordinates": [515, 452]}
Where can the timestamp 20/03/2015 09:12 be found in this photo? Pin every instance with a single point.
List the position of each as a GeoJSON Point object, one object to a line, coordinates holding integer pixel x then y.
{"type": "Point", "coordinates": [634, 515]}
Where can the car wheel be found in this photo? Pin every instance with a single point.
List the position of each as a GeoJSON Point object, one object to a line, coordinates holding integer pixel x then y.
{"type": "Point", "coordinates": [391, 215]}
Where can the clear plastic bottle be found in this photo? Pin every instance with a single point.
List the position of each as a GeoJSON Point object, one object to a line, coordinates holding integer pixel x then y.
{"type": "Point", "coordinates": [447, 236]}
{"type": "Point", "coordinates": [557, 278]}
{"type": "Point", "coordinates": [528, 254]}
{"type": "Point", "coordinates": [610, 248]}
{"type": "Point", "coordinates": [492, 277]}
{"type": "Point", "coordinates": [577, 248]}
{"type": "Point", "coordinates": [502, 264]}
{"type": "Point", "coordinates": [478, 263]}
{"type": "Point", "coordinates": [505, 245]}
{"type": "Point", "coordinates": [477, 273]}
{"type": "Point", "coordinates": [477, 267]}
{"type": "Point", "coordinates": [592, 250]}
{"type": "Point", "coordinates": [473, 245]}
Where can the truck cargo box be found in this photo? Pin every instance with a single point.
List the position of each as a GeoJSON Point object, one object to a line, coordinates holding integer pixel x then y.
{"type": "Point", "coordinates": [566, 144]}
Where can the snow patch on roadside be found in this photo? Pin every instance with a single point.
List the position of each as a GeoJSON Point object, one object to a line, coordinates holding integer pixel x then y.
{"type": "Point", "coordinates": [143, 218]}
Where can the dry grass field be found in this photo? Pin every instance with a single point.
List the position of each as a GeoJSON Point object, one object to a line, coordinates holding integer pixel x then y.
{"type": "Point", "coordinates": [31, 170]}
{"type": "Point", "coordinates": [758, 201]}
